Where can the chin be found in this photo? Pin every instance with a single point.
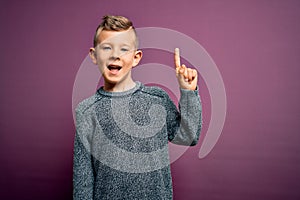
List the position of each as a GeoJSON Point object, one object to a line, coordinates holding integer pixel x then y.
{"type": "Point", "coordinates": [112, 80]}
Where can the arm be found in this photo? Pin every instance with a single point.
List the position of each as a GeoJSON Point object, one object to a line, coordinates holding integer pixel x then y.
{"type": "Point", "coordinates": [188, 121]}
{"type": "Point", "coordinates": [83, 178]}
{"type": "Point", "coordinates": [184, 126]}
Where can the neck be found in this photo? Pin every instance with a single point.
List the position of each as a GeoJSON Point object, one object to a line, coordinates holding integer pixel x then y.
{"type": "Point", "coordinates": [116, 87]}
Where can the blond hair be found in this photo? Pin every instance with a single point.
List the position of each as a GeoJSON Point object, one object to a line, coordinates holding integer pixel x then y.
{"type": "Point", "coordinates": [114, 23]}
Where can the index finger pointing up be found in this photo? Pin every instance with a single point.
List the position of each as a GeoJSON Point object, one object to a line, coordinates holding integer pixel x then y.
{"type": "Point", "coordinates": [177, 58]}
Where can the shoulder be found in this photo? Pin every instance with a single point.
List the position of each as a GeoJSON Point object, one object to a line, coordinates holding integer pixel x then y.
{"type": "Point", "coordinates": [86, 104]}
{"type": "Point", "coordinates": [154, 91]}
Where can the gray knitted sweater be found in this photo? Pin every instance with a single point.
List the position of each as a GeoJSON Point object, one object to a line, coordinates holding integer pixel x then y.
{"type": "Point", "coordinates": [121, 142]}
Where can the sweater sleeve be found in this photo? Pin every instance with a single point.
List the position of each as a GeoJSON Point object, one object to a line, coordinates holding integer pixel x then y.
{"type": "Point", "coordinates": [184, 126]}
{"type": "Point", "coordinates": [83, 178]}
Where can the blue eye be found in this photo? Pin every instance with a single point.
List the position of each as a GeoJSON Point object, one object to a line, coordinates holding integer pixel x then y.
{"type": "Point", "coordinates": [124, 49]}
{"type": "Point", "coordinates": [106, 48]}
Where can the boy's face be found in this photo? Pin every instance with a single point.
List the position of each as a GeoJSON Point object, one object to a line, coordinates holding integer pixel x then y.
{"type": "Point", "coordinates": [115, 55]}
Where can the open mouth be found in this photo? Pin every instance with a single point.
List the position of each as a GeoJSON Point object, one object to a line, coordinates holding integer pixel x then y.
{"type": "Point", "coordinates": [114, 67]}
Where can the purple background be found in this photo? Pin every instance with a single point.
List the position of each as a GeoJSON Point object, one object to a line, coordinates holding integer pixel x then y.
{"type": "Point", "coordinates": [255, 44]}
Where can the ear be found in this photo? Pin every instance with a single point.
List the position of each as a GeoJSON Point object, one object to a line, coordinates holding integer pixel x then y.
{"type": "Point", "coordinates": [92, 54]}
{"type": "Point", "coordinates": [137, 57]}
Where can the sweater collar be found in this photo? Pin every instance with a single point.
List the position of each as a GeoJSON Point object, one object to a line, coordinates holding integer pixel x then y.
{"type": "Point", "coordinates": [101, 91]}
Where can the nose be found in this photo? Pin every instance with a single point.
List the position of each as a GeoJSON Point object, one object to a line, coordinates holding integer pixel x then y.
{"type": "Point", "coordinates": [115, 55]}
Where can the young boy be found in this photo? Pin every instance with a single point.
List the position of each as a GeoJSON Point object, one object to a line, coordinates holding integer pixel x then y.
{"type": "Point", "coordinates": [122, 131]}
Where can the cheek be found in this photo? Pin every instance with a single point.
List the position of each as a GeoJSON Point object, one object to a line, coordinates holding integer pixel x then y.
{"type": "Point", "coordinates": [101, 56]}
{"type": "Point", "coordinates": [101, 59]}
{"type": "Point", "coordinates": [128, 59]}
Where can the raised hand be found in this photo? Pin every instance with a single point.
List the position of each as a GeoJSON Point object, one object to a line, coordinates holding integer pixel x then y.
{"type": "Point", "coordinates": [187, 77]}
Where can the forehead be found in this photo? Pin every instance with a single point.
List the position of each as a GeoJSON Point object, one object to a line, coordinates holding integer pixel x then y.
{"type": "Point", "coordinates": [117, 37]}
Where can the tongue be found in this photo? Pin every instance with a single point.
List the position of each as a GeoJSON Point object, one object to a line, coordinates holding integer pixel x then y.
{"type": "Point", "coordinates": [114, 71]}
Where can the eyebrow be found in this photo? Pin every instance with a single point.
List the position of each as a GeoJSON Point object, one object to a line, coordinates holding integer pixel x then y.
{"type": "Point", "coordinates": [123, 44]}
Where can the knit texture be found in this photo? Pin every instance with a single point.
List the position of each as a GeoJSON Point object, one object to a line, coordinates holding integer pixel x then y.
{"type": "Point", "coordinates": [121, 142]}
